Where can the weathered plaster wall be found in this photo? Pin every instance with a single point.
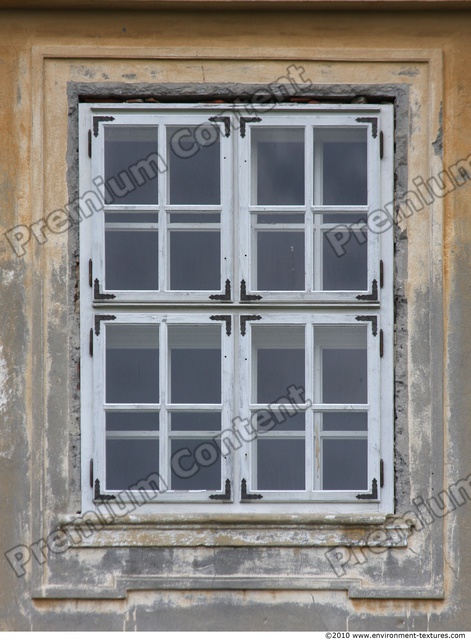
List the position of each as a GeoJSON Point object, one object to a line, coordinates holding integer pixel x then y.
{"type": "Point", "coordinates": [42, 54]}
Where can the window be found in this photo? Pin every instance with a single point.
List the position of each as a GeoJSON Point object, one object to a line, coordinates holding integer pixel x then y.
{"type": "Point", "coordinates": [237, 327]}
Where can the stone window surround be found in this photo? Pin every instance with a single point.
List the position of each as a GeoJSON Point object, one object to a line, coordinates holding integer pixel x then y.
{"type": "Point", "coordinates": [352, 528]}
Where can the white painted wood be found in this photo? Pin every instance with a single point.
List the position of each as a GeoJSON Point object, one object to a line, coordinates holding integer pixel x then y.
{"type": "Point", "coordinates": [309, 308]}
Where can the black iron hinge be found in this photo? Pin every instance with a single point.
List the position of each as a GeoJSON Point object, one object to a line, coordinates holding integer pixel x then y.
{"type": "Point", "coordinates": [97, 120]}
{"type": "Point", "coordinates": [91, 472]}
{"type": "Point", "coordinates": [89, 143]}
{"type": "Point", "coordinates": [223, 496]}
{"type": "Point", "coordinates": [226, 296]}
{"type": "Point", "coordinates": [90, 273]}
{"type": "Point", "coordinates": [99, 319]}
{"type": "Point", "coordinates": [373, 296]}
{"type": "Point", "coordinates": [248, 496]}
{"type": "Point", "coordinates": [226, 121]}
{"type": "Point", "coordinates": [381, 274]}
{"type": "Point", "coordinates": [373, 122]}
{"type": "Point", "coordinates": [381, 145]}
{"type": "Point", "coordinates": [370, 496]}
{"type": "Point", "coordinates": [90, 343]}
{"type": "Point", "coordinates": [227, 320]}
{"type": "Point", "coordinates": [243, 122]}
{"type": "Point", "coordinates": [372, 319]}
{"type": "Point", "coordinates": [101, 496]}
{"type": "Point", "coordinates": [243, 323]}
{"type": "Point", "coordinates": [243, 293]}
{"type": "Point", "coordinates": [97, 295]}
{"type": "Point", "coordinates": [381, 473]}
{"type": "Point", "coordinates": [381, 343]}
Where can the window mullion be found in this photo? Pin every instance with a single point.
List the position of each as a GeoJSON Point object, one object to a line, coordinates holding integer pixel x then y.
{"type": "Point", "coordinates": [317, 396]}
{"type": "Point", "coordinates": [242, 185]}
{"type": "Point", "coordinates": [245, 397]}
{"type": "Point", "coordinates": [99, 413]}
{"type": "Point", "coordinates": [98, 219]}
{"type": "Point", "coordinates": [374, 375]}
{"type": "Point", "coordinates": [309, 224]}
{"type": "Point", "coordinates": [164, 365]}
{"type": "Point", "coordinates": [228, 207]}
{"type": "Point", "coordinates": [311, 436]}
{"type": "Point", "coordinates": [163, 259]}
{"type": "Point", "coordinates": [374, 204]}
{"type": "Point", "coordinates": [316, 176]}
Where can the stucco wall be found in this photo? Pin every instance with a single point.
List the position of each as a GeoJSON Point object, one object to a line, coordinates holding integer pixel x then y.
{"type": "Point", "coordinates": [46, 59]}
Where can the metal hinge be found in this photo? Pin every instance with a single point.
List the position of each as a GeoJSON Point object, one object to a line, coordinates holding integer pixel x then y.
{"type": "Point", "coordinates": [370, 496]}
{"type": "Point", "coordinates": [89, 143]}
{"type": "Point", "coordinates": [243, 293]}
{"type": "Point", "coordinates": [99, 319]}
{"type": "Point", "coordinates": [243, 122]}
{"type": "Point", "coordinates": [101, 496]}
{"type": "Point", "coordinates": [381, 473]}
{"type": "Point", "coordinates": [248, 496]}
{"type": "Point", "coordinates": [371, 297]}
{"type": "Point", "coordinates": [91, 473]}
{"type": "Point", "coordinates": [97, 295]}
{"type": "Point", "coordinates": [90, 273]}
{"type": "Point", "coordinates": [223, 496]}
{"type": "Point", "coordinates": [226, 296]}
{"type": "Point", "coordinates": [381, 145]}
{"type": "Point", "coordinates": [243, 323]}
{"type": "Point", "coordinates": [90, 344]}
{"type": "Point", "coordinates": [227, 320]}
{"type": "Point", "coordinates": [381, 274]}
{"type": "Point", "coordinates": [381, 343]}
{"type": "Point", "coordinates": [372, 319]}
{"type": "Point", "coordinates": [226, 121]}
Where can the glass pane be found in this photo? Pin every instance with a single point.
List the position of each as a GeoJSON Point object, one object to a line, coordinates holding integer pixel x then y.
{"type": "Point", "coordinates": [280, 465]}
{"type": "Point", "coordinates": [278, 361]}
{"type": "Point", "coordinates": [131, 252]}
{"type": "Point", "coordinates": [195, 364]}
{"type": "Point", "coordinates": [132, 421]}
{"type": "Point", "coordinates": [194, 218]}
{"type": "Point", "coordinates": [280, 218]}
{"type": "Point", "coordinates": [344, 364]}
{"type": "Point", "coordinates": [348, 421]}
{"type": "Point", "coordinates": [194, 165]}
{"type": "Point", "coordinates": [345, 464]}
{"type": "Point", "coordinates": [284, 419]}
{"type": "Point", "coordinates": [345, 218]}
{"type": "Point", "coordinates": [145, 220]}
{"type": "Point", "coordinates": [278, 166]}
{"type": "Point", "coordinates": [195, 260]}
{"type": "Point", "coordinates": [280, 261]}
{"type": "Point", "coordinates": [132, 363]}
{"type": "Point", "coordinates": [343, 154]}
{"type": "Point", "coordinates": [195, 421]}
{"type": "Point", "coordinates": [129, 461]}
{"type": "Point", "coordinates": [196, 464]}
{"type": "Point", "coordinates": [132, 165]}
{"type": "Point", "coordinates": [345, 260]}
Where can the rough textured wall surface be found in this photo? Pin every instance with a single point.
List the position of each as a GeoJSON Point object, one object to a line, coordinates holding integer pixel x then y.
{"type": "Point", "coordinates": [44, 57]}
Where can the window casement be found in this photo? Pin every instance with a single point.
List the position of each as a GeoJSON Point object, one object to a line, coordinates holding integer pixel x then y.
{"type": "Point", "coordinates": [237, 307]}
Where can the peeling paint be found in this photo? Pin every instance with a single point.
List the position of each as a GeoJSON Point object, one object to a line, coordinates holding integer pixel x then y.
{"type": "Point", "coordinates": [3, 383]}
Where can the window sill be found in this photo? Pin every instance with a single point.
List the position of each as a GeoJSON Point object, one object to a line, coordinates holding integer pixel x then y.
{"type": "Point", "coordinates": [236, 530]}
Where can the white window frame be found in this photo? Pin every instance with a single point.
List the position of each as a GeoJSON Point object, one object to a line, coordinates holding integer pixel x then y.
{"type": "Point", "coordinates": [310, 307]}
